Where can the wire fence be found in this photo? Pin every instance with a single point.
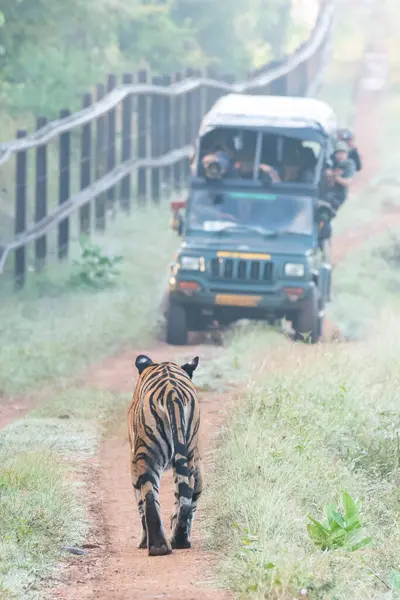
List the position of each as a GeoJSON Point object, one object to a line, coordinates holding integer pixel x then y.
{"type": "Point", "coordinates": [127, 144]}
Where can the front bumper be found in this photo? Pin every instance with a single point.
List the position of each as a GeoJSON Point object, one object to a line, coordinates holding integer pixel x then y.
{"type": "Point", "coordinates": [281, 297]}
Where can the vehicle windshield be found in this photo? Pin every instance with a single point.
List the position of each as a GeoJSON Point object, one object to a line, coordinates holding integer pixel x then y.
{"type": "Point", "coordinates": [249, 212]}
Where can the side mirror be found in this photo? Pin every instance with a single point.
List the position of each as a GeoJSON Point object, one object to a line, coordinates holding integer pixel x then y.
{"type": "Point", "coordinates": [176, 221]}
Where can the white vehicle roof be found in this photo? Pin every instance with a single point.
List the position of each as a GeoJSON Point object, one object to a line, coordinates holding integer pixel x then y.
{"type": "Point", "coordinates": [251, 111]}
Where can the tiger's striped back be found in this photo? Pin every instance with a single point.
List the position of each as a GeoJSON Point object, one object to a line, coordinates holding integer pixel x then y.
{"type": "Point", "coordinates": [165, 400]}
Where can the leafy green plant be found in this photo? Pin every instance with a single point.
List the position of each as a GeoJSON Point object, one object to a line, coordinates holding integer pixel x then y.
{"type": "Point", "coordinates": [95, 268]}
{"type": "Point", "coordinates": [340, 530]}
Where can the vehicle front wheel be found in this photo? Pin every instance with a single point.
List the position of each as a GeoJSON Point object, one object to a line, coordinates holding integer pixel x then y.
{"type": "Point", "coordinates": [308, 322]}
{"type": "Point", "coordinates": [177, 331]}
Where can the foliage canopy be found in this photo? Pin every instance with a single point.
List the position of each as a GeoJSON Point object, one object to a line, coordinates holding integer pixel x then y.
{"type": "Point", "coordinates": [50, 50]}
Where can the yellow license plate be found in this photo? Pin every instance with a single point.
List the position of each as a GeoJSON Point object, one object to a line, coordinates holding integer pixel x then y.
{"type": "Point", "coordinates": [248, 255]}
{"type": "Point", "coordinates": [236, 300]}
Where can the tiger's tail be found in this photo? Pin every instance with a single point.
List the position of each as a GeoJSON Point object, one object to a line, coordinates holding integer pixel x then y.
{"type": "Point", "coordinates": [183, 478]}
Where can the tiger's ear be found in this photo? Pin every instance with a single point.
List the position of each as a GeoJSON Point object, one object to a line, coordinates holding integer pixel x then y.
{"type": "Point", "coordinates": [142, 362]}
{"type": "Point", "coordinates": [191, 366]}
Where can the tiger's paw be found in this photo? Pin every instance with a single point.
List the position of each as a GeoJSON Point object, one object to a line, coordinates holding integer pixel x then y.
{"type": "Point", "coordinates": [142, 545]}
{"type": "Point", "coordinates": [180, 539]}
{"type": "Point", "coordinates": [160, 549]}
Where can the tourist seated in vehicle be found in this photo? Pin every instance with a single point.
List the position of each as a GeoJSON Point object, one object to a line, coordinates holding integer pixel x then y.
{"type": "Point", "coordinates": [219, 155]}
{"type": "Point", "coordinates": [246, 160]}
{"type": "Point", "coordinates": [299, 163]}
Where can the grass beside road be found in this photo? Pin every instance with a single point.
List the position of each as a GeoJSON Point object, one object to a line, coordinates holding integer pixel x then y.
{"type": "Point", "coordinates": [41, 509]}
{"type": "Point", "coordinates": [329, 423]}
{"type": "Point", "coordinates": [39, 512]}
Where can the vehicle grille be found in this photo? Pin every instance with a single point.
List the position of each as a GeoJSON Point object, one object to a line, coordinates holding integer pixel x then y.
{"type": "Point", "coordinates": [230, 269]}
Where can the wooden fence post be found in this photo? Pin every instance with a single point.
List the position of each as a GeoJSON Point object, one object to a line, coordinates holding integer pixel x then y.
{"type": "Point", "coordinates": [85, 174]}
{"type": "Point", "coordinates": [142, 118]}
{"type": "Point", "coordinates": [111, 142]}
{"type": "Point", "coordinates": [41, 197]}
{"type": "Point", "coordinates": [101, 161]}
{"type": "Point", "coordinates": [127, 110]}
{"type": "Point", "coordinates": [21, 171]}
{"type": "Point", "coordinates": [177, 137]}
{"type": "Point", "coordinates": [167, 130]}
{"type": "Point", "coordinates": [156, 128]}
{"type": "Point", "coordinates": [64, 186]}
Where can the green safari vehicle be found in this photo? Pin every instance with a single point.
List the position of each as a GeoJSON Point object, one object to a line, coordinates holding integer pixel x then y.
{"type": "Point", "coordinates": [251, 246]}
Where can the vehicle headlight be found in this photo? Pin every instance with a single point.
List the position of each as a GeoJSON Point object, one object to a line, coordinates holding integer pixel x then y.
{"type": "Point", "coordinates": [294, 270]}
{"type": "Point", "coordinates": [191, 263]}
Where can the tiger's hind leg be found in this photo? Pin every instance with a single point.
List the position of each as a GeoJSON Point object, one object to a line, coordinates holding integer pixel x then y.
{"type": "Point", "coordinates": [198, 488]}
{"type": "Point", "coordinates": [182, 516]}
{"type": "Point", "coordinates": [143, 540]}
{"type": "Point", "coordinates": [157, 543]}
{"type": "Point", "coordinates": [146, 488]}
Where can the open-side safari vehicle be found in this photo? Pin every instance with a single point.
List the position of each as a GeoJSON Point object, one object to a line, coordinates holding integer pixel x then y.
{"type": "Point", "coordinates": [250, 224]}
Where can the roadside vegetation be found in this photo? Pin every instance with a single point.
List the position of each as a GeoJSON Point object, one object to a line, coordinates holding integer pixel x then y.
{"type": "Point", "coordinates": [41, 505]}
{"type": "Point", "coordinates": [39, 512]}
{"type": "Point", "coordinates": [326, 423]}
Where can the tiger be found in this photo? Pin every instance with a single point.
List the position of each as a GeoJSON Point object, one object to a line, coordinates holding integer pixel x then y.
{"type": "Point", "coordinates": [163, 432]}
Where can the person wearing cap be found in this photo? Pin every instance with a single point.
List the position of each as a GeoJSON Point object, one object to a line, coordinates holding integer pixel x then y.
{"type": "Point", "coordinates": [347, 136]}
{"type": "Point", "coordinates": [340, 175]}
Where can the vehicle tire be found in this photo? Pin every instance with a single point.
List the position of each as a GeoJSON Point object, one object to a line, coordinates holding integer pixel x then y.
{"type": "Point", "coordinates": [177, 331]}
{"type": "Point", "coordinates": [308, 323]}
